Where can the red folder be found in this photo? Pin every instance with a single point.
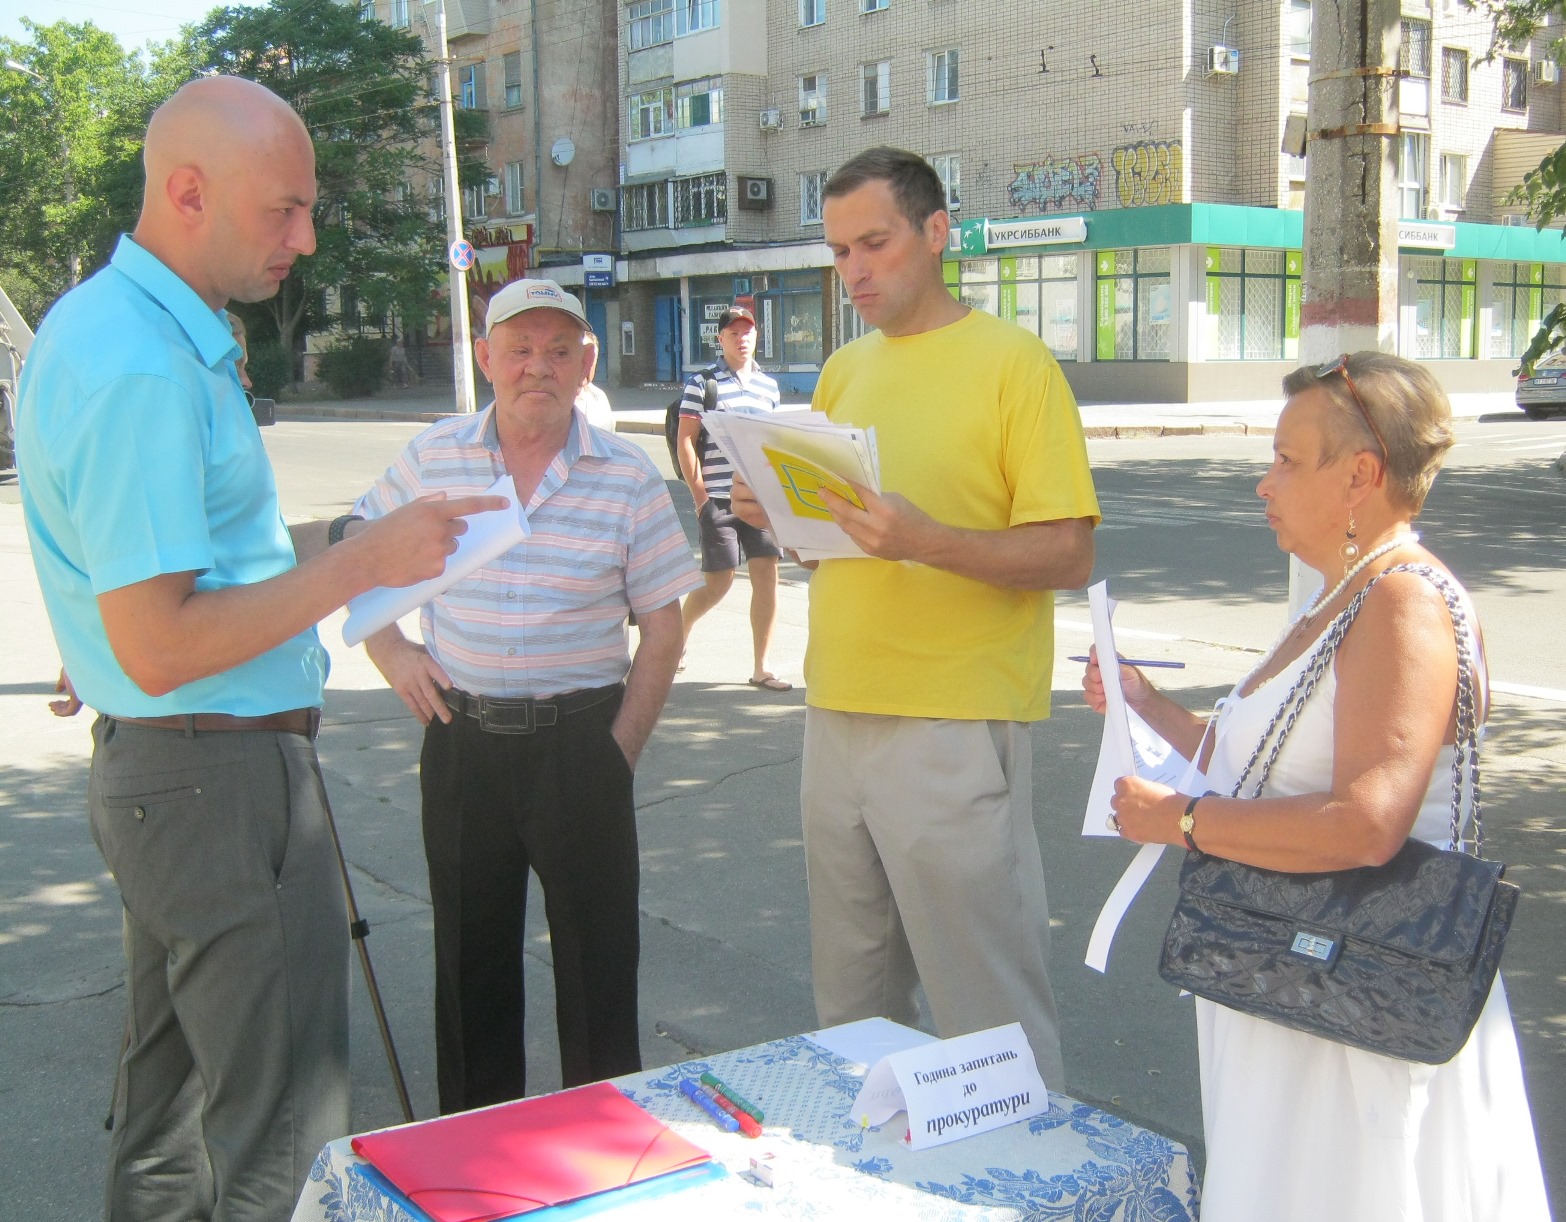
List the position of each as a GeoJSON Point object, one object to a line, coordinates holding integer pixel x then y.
{"type": "Point", "coordinates": [518, 1157]}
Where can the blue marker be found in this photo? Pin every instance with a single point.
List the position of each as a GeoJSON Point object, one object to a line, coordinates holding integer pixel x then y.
{"type": "Point", "coordinates": [697, 1096]}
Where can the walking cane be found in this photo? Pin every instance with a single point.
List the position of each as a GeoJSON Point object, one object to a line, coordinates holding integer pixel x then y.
{"type": "Point", "coordinates": [359, 929]}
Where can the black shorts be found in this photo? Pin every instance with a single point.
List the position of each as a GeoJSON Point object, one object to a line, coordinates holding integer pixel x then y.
{"type": "Point", "coordinates": [724, 538]}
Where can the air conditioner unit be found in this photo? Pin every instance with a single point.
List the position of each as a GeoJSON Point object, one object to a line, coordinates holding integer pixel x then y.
{"type": "Point", "coordinates": [601, 199]}
{"type": "Point", "coordinates": [772, 119]}
{"type": "Point", "coordinates": [1432, 212]}
{"type": "Point", "coordinates": [755, 194]}
{"type": "Point", "coordinates": [1223, 61]}
{"type": "Point", "coordinates": [1546, 72]}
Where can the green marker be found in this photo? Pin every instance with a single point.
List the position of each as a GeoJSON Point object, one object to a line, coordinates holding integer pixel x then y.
{"type": "Point", "coordinates": [744, 1105]}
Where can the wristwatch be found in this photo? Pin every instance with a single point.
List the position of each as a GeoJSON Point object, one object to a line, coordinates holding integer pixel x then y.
{"type": "Point", "coordinates": [334, 532]}
{"type": "Point", "coordinates": [1188, 823]}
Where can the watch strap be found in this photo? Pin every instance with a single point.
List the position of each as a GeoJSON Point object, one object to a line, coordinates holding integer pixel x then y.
{"type": "Point", "coordinates": [334, 532]}
{"type": "Point", "coordinates": [1188, 823]}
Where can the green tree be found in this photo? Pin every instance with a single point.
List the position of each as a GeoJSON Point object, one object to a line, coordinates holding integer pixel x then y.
{"type": "Point", "coordinates": [362, 89]}
{"type": "Point", "coordinates": [70, 156]}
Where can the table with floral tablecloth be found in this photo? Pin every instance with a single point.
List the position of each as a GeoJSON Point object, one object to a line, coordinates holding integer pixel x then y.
{"type": "Point", "coordinates": [1074, 1162]}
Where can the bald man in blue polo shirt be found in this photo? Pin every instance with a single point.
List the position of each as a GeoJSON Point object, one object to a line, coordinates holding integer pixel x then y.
{"type": "Point", "coordinates": [184, 610]}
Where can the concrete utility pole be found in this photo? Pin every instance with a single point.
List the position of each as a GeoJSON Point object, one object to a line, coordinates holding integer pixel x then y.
{"type": "Point", "coordinates": [461, 341]}
{"type": "Point", "coordinates": [1349, 300]}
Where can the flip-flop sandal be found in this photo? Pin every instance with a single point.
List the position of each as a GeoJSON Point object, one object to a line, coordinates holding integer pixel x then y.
{"type": "Point", "coordinates": [771, 683]}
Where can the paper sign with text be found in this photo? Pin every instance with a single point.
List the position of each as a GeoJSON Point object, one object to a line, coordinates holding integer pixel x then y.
{"type": "Point", "coordinates": [955, 1088]}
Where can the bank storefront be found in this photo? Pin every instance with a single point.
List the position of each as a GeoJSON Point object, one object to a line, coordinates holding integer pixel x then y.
{"type": "Point", "coordinates": [1192, 302]}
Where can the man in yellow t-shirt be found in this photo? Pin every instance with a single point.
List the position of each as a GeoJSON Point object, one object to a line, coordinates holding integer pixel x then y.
{"type": "Point", "coordinates": [926, 664]}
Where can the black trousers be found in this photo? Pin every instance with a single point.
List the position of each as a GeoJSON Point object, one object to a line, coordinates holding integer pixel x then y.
{"type": "Point", "coordinates": [557, 800]}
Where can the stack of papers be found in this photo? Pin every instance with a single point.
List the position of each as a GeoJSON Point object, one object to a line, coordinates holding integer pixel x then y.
{"type": "Point", "coordinates": [518, 1157]}
{"type": "Point", "coordinates": [788, 458]}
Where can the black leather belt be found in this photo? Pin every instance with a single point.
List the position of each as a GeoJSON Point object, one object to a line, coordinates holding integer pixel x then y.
{"type": "Point", "coordinates": [295, 721]}
{"type": "Point", "coordinates": [506, 715]}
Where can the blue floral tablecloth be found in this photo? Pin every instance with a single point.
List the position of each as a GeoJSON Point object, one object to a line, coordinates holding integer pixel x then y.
{"type": "Point", "coordinates": [1073, 1163]}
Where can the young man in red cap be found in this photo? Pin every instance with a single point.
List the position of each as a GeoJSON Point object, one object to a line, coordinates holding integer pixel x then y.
{"type": "Point", "coordinates": [725, 540]}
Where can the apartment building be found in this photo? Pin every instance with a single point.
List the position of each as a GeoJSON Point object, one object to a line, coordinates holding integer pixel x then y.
{"type": "Point", "coordinates": [534, 83]}
{"type": "Point", "coordinates": [1117, 170]}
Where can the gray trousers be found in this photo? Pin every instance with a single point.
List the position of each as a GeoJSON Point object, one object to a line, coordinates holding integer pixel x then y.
{"type": "Point", "coordinates": [236, 946]}
{"type": "Point", "coordinates": [924, 866]}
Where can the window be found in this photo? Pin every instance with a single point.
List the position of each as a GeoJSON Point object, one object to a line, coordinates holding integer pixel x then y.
{"type": "Point", "coordinates": [813, 100]}
{"type": "Point", "coordinates": [646, 205]}
{"type": "Point", "coordinates": [399, 14]}
{"type": "Point", "coordinates": [511, 68]}
{"type": "Point", "coordinates": [810, 188]}
{"type": "Point", "coordinates": [367, 10]}
{"type": "Point", "coordinates": [1296, 28]}
{"type": "Point", "coordinates": [652, 113]}
{"type": "Point", "coordinates": [437, 193]}
{"type": "Point", "coordinates": [1037, 292]}
{"type": "Point", "coordinates": [1454, 74]}
{"type": "Point", "coordinates": [942, 76]}
{"type": "Point", "coordinates": [1516, 304]}
{"type": "Point", "coordinates": [1454, 180]}
{"type": "Point", "coordinates": [1134, 305]}
{"type": "Point", "coordinates": [1413, 174]}
{"type": "Point", "coordinates": [1413, 53]}
{"type": "Point", "coordinates": [874, 6]}
{"type": "Point", "coordinates": [513, 188]}
{"type": "Point", "coordinates": [698, 103]}
{"type": "Point", "coordinates": [473, 201]}
{"type": "Point", "coordinates": [877, 92]}
{"type": "Point", "coordinates": [703, 200]}
{"type": "Point", "coordinates": [694, 16]}
{"type": "Point", "coordinates": [651, 22]}
{"type": "Point", "coordinates": [948, 167]}
{"type": "Point", "coordinates": [1514, 84]}
{"type": "Point", "coordinates": [1441, 329]}
{"type": "Point", "coordinates": [471, 92]}
{"type": "Point", "coordinates": [812, 12]}
{"type": "Point", "coordinates": [1248, 303]}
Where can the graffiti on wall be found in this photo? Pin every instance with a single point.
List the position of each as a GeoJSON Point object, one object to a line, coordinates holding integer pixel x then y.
{"type": "Point", "coordinates": [1148, 172]}
{"type": "Point", "coordinates": [1059, 184]}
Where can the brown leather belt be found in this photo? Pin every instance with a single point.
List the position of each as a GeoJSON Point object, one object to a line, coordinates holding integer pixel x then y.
{"type": "Point", "coordinates": [294, 721]}
{"type": "Point", "coordinates": [507, 715]}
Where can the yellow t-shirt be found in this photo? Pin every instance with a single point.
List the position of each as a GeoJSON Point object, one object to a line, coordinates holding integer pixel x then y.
{"type": "Point", "coordinates": [974, 424]}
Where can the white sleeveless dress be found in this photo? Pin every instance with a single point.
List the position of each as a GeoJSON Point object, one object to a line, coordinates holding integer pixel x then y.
{"type": "Point", "coordinates": [1301, 1128]}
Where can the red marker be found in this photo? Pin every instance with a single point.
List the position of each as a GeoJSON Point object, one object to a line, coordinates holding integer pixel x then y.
{"type": "Point", "coordinates": [747, 1123]}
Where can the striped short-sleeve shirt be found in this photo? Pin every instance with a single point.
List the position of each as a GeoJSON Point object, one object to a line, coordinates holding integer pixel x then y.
{"type": "Point", "coordinates": [755, 392]}
{"type": "Point", "coordinates": [549, 616]}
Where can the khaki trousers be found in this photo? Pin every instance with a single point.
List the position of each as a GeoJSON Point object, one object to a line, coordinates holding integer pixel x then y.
{"type": "Point", "coordinates": [924, 866]}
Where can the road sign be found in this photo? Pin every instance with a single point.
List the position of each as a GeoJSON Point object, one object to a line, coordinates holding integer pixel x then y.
{"type": "Point", "coordinates": [463, 256]}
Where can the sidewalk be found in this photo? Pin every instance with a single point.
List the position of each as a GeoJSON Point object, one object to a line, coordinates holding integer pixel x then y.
{"type": "Point", "coordinates": [639, 409]}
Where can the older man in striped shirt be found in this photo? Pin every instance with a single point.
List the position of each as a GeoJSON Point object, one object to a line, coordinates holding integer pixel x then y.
{"type": "Point", "coordinates": [534, 709]}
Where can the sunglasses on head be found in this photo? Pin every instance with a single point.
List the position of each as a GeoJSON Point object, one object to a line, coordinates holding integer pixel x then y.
{"type": "Point", "coordinates": [1341, 366]}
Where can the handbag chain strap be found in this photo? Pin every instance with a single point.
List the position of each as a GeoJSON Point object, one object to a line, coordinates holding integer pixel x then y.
{"type": "Point", "coordinates": [1465, 756]}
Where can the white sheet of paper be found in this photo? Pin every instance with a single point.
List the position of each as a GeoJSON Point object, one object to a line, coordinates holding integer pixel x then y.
{"type": "Point", "coordinates": [488, 535]}
{"type": "Point", "coordinates": [1115, 755]}
{"type": "Point", "coordinates": [955, 1088]}
{"type": "Point", "coordinates": [868, 1040]}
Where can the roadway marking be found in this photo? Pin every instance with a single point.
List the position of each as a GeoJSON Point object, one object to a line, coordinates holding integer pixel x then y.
{"type": "Point", "coordinates": [1524, 689]}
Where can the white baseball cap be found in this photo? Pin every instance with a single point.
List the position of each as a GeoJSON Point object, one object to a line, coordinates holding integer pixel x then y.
{"type": "Point", "coordinates": [522, 295]}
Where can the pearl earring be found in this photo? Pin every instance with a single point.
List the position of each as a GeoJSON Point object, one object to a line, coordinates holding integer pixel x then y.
{"type": "Point", "coordinates": [1350, 550]}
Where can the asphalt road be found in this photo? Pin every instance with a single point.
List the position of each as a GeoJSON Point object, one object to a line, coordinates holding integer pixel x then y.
{"type": "Point", "coordinates": [725, 947]}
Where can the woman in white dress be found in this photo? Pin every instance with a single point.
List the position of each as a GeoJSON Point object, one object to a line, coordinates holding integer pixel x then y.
{"type": "Point", "coordinates": [1299, 1127]}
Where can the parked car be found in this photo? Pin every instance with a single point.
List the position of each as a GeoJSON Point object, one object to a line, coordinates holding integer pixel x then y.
{"type": "Point", "coordinates": [1545, 393]}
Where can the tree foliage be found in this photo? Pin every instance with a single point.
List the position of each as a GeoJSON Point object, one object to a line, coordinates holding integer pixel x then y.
{"type": "Point", "coordinates": [70, 153]}
{"type": "Point", "coordinates": [362, 89]}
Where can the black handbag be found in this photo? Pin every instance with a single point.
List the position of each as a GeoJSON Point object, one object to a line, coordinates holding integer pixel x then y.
{"type": "Point", "coordinates": [1396, 959]}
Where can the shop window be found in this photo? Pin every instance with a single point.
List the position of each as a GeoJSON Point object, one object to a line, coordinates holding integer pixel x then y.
{"type": "Point", "coordinates": [1037, 292]}
{"type": "Point", "coordinates": [1443, 308]}
{"type": "Point", "coordinates": [1249, 295]}
{"type": "Point", "coordinates": [1133, 305]}
{"type": "Point", "coordinates": [788, 315]}
{"type": "Point", "coordinates": [1516, 306]}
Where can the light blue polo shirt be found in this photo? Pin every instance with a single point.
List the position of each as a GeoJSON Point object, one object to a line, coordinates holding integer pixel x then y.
{"type": "Point", "coordinates": [139, 456]}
